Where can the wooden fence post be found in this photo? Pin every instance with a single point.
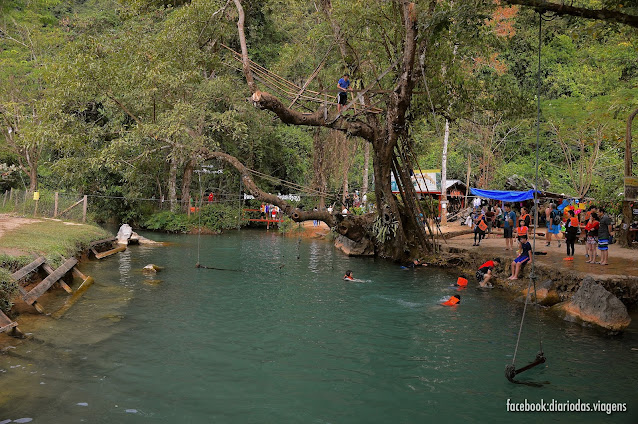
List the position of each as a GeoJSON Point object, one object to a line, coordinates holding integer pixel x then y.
{"type": "Point", "coordinates": [55, 205]}
{"type": "Point", "coordinates": [84, 208]}
{"type": "Point", "coordinates": [11, 194]}
{"type": "Point", "coordinates": [5, 198]}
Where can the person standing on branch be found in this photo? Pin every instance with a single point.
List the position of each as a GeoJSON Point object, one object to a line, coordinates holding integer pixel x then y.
{"type": "Point", "coordinates": [343, 86]}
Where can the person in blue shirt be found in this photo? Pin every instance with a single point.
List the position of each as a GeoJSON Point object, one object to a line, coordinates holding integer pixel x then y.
{"type": "Point", "coordinates": [524, 257]}
{"type": "Point", "coordinates": [344, 86]}
{"type": "Point", "coordinates": [509, 220]}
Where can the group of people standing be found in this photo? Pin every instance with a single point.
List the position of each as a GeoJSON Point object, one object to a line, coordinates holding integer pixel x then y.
{"type": "Point", "coordinates": [593, 224]}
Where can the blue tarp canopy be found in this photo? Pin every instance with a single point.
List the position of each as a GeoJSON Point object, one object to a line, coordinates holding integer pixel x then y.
{"type": "Point", "coordinates": [505, 196]}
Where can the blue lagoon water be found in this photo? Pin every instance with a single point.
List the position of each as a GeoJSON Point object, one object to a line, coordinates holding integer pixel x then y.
{"type": "Point", "coordinates": [278, 337]}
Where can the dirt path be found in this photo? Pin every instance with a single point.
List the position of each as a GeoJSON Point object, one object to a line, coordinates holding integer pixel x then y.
{"type": "Point", "coordinates": [8, 223]}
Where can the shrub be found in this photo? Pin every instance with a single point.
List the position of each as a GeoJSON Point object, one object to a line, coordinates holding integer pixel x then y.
{"type": "Point", "coordinates": [8, 289]}
{"type": "Point", "coordinates": [219, 216]}
{"type": "Point", "coordinates": [289, 226]}
{"type": "Point", "coordinates": [168, 221]}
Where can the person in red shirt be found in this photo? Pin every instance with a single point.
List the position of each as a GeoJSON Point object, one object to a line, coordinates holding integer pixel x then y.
{"type": "Point", "coordinates": [592, 237]}
{"type": "Point", "coordinates": [484, 274]}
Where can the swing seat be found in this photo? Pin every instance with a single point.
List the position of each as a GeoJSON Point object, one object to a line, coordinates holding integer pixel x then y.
{"type": "Point", "coordinates": [511, 371]}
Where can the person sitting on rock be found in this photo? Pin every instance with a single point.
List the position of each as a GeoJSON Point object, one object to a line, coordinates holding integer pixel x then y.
{"type": "Point", "coordinates": [484, 274]}
{"type": "Point", "coordinates": [522, 259]}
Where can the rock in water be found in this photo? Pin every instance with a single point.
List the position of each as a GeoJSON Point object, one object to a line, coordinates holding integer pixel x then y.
{"type": "Point", "coordinates": [152, 268]}
{"type": "Point", "coordinates": [124, 234]}
{"type": "Point", "coordinates": [592, 303]}
{"type": "Point", "coordinates": [352, 248]}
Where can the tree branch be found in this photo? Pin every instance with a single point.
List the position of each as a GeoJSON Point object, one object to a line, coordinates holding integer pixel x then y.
{"type": "Point", "coordinates": [563, 9]}
{"type": "Point", "coordinates": [350, 226]}
{"type": "Point", "coordinates": [244, 49]}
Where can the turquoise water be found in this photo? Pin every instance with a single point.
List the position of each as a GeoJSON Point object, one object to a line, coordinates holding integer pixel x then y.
{"type": "Point", "coordinates": [285, 340]}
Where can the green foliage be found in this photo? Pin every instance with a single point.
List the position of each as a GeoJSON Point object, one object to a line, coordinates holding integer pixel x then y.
{"type": "Point", "coordinates": [8, 289]}
{"type": "Point", "coordinates": [14, 263]}
{"type": "Point", "coordinates": [220, 216]}
{"type": "Point", "coordinates": [168, 221]}
{"type": "Point", "coordinates": [288, 226]}
{"type": "Point", "coordinates": [214, 217]}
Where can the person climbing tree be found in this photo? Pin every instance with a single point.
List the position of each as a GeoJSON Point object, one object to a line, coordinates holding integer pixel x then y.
{"type": "Point", "coordinates": [344, 86]}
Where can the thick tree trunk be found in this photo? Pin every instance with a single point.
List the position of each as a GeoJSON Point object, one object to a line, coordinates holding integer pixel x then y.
{"type": "Point", "coordinates": [446, 137]}
{"type": "Point", "coordinates": [624, 235]}
{"type": "Point", "coordinates": [384, 138]}
{"type": "Point", "coordinates": [366, 170]}
{"type": "Point", "coordinates": [172, 184]}
{"type": "Point", "coordinates": [187, 178]}
{"type": "Point", "coordinates": [319, 166]}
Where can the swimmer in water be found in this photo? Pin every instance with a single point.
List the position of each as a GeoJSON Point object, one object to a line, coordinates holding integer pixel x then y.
{"type": "Point", "coordinates": [348, 276]}
{"type": "Point", "coordinates": [454, 300]}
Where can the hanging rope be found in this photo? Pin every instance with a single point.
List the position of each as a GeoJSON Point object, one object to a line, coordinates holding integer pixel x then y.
{"type": "Point", "coordinates": [199, 228]}
{"type": "Point", "coordinates": [510, 370]}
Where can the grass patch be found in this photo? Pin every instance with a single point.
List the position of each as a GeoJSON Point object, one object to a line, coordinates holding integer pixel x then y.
{"type": "Point", "coordinates": [52, 239]}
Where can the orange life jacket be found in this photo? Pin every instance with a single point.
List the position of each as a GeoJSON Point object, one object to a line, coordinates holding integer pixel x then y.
{"type": "Point", "coordinates": [574, 222]}
{"type": "Point", "coordinates": [461, 282]}
{"type": "Point", "coordinates": [346, 277]}
{"type": "Point", "coordinates": [525, 217]}
{"type": "Point", "coordinates": [451, 301]}
{"type": "Point", "coordinates": [521, 231]}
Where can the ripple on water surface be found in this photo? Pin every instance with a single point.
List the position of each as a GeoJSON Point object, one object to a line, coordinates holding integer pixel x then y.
{"type": "Point", "coordinates": [287, 340]}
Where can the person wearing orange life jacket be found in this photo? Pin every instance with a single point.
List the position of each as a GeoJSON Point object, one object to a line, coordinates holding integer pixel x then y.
{"type": "Point", "coordinates": [348, 276]}
{"type": "Point", "coordinates": [522, 229]}
{"type": "Point", "coordinates": [454, 300]}
{"type": "Point", "coordinates": [480, 226]}
{"type": "Point", "coordinates": [571, 233]}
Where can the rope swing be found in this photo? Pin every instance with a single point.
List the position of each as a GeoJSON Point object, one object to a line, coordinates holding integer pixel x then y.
{"type": "Point", "coordinates": [510, 370]}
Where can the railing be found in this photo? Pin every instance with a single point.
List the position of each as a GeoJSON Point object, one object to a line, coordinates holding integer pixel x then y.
{"type": "Point", "coordinates": [45, 204]}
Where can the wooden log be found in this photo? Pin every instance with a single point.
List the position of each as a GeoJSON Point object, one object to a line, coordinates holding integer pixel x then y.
{"type": "Point", "coordinates": [84, 207]}
{"type": "Point", "coordinates": [77, 273]}
{"type": "Point", "coordinates": [5, 323]}
{"type": "Point", "coordinates": [78, 293]}
{"type": "Point", "coordinates": [71, 207]}
{"type": "Point", "coordinates": [103, 241]}
{"type": "Point", "coordinates": [45, 284]}
{"type": "Point", "coordinates": [47, 268]}
{"type": "Point", "coordinates": [55, 205]}
{"type": "Point", "coordinates": [26, 270]}
{"type": "Point", "coordinates": [110, 252]}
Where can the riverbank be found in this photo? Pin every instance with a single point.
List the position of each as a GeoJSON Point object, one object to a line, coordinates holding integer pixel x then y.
{"type": "Point", "coordinates": [24, 239]}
